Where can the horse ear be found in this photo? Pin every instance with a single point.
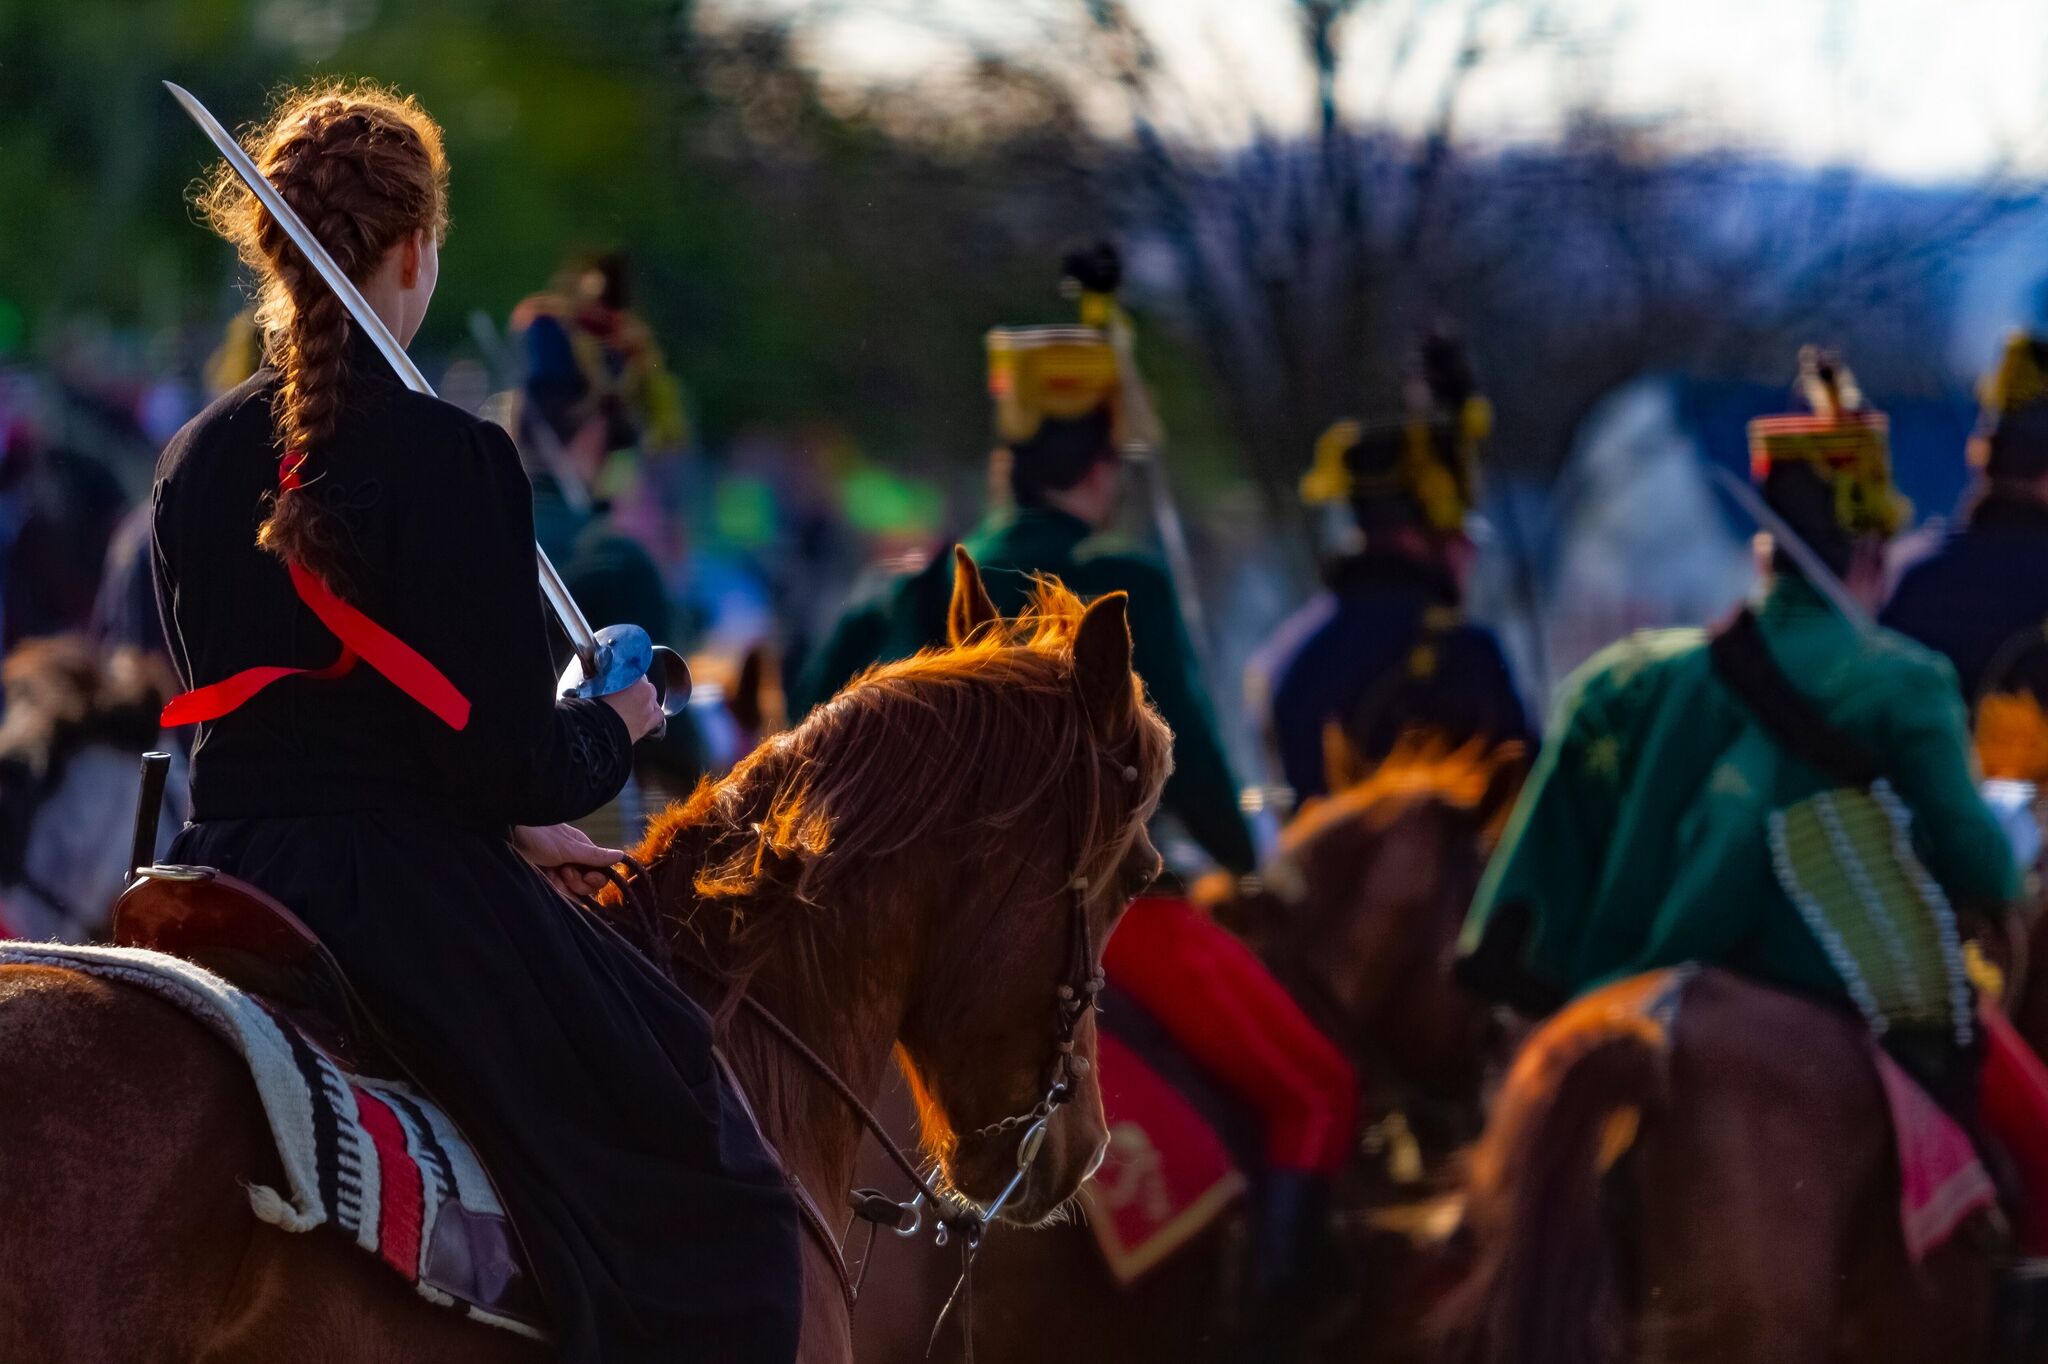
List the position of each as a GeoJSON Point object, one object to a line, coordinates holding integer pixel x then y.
{"type": "Point", "coordinates": [971, 608]}
{"type": "Point", "coordinates": [1102, 664]}
{"type": "Point", "coordinates": [1343, 765]}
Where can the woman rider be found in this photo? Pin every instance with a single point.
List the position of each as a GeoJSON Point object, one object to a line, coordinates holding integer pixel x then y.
{"type": "Point", "coordinates": [407, 801]}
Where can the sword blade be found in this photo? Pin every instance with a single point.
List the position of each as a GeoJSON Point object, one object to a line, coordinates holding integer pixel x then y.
{"type": "Point", "coordinates": [581, 638]}
{"type": "Point", "coordinates": [1782, 535]}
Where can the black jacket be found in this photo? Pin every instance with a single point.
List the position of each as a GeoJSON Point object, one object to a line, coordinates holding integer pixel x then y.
{"type": "Point", "coordinates": [1986, 585]}
{"type": "Point", "coordinates": [439, 518]}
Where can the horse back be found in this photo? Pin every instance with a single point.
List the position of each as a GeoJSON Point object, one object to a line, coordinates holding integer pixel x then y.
{"type": "Point", "coordinates": [1767, 1197]}
{"type": "Point", "coordinates": [127, 1145]}
{"type": "Point", "coordinates": [1688, 1166]}
{"type": "Point", "coordinates": [123, 1145]}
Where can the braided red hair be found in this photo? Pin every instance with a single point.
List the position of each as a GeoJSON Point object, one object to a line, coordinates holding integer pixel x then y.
{"type": "Point", "coordinates": [363, 166]}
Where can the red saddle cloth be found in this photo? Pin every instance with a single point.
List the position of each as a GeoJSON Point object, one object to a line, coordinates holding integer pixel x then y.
{"type": "Point", "coordinates": [1219, 1027]}
{"type": "Point", "coordinates": [1167, 1174]}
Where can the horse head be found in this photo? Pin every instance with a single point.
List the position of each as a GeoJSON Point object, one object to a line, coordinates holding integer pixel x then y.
{"type": "Point", "coordinates": [1010, 973]}
{"type": "Point", "coordinates": [932, 860]}
{"type": "Point", "coordinates": [1361, 908]}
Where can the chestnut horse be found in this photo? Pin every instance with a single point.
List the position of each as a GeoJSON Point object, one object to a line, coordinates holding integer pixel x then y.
{"type": "Point", "coordinates": [898, 874]}
{"type": "Point", "coordinates": [1358, 916]}
{"type": "Point", "coordinates": [1718, 1184]}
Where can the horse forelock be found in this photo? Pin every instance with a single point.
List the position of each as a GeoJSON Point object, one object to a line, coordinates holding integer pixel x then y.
{"type": "Point", "coordinates": [878, 768]}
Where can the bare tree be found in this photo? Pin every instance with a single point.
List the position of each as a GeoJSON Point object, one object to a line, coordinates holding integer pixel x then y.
{"type": "Point", "coordinates": [1305, 251]}
{"type": "Point", "coordinates": [1307, 255]}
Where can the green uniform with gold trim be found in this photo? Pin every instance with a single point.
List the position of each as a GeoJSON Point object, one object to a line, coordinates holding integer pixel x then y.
{"type": "Point", "coordinates": [1642, 838]}
{"type": "Point", "coordinates": [911, 615]}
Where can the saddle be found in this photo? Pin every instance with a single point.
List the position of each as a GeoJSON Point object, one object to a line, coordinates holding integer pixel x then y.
{"type": "Point", "coordinates": [429, 1210]}
{"type": "Point", "coordinates": [245, 937]}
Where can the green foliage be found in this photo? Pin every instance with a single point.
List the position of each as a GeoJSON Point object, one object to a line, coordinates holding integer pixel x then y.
{"type": "Point", "coordinates": [548, 108]}
{"type": "Point", "coordinates": [804, 265]}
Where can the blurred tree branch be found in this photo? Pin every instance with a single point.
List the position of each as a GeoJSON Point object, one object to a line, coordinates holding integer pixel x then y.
{"type": "Point", "coordinates": [1303, 263]}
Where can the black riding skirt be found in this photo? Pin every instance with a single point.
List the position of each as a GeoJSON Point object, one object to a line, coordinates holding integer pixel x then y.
{"type": "Point", "coordinates": [660, 1225]}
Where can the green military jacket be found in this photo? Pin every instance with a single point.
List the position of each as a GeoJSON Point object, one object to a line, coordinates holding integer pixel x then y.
{"type": "Point", "coordinates": [911, 615]}
{"type": "Point", "coordinates": [1641, 840]}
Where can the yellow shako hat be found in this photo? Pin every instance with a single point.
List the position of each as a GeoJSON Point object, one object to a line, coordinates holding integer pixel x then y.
{"type": "Point", "coordinates": [1430, 456]}
{"type": "Point", "coordinates": [1054, 373]}
{"type": "Point", "coordinates": [2011, 440]}
{"type": "Point", "coordinates": [1845, 442]}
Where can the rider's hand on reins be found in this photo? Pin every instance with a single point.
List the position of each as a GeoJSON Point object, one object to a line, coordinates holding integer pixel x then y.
{"type": "Point", "coordinates": [565, 854]}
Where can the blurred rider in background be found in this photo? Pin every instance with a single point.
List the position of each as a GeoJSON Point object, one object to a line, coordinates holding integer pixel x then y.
{"type": "Point", "coordinates": [1384, 650]}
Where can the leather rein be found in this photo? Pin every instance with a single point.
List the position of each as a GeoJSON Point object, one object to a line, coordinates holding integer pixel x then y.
{"type": "Point", "coordinates": [953, 1213]}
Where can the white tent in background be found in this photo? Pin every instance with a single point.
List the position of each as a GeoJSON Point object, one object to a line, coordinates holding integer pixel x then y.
{"type": "Point", "coordinates": [1632, 538]}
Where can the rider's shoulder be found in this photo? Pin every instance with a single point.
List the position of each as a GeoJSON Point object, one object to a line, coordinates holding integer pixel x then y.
{"type": "Point", "coordinates": [1912, 663]}
{"type": "Point", "coordinates": [1638, 662]}
{"type": "Point", "coordinates": [1109, 566]}
{"type": "Point", "coordinates": [242, 411]}
{"type": "Point", "coordinates": [431, 419]}
{"type": "Point", "coordinates": [455, 446]}
{"type": "Point", "coordinates": [1474, 634]}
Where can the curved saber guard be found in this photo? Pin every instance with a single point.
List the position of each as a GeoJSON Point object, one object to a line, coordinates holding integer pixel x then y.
{"type": "Point", "coordinates": [587, 643]}
{"type": "Point", "coordinates": [625, 654]}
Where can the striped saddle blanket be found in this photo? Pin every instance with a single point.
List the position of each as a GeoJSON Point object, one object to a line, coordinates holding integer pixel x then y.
{"type": "Point", "coordinates": [374, 1158]}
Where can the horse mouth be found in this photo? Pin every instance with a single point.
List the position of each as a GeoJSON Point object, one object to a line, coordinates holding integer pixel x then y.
{"type": "Point", "coordinates": [1033, 1204]}
{"type": "Point", "coordinates": [983, 1165]}
{"type": "Point", "coordinates": [1039, 1198]}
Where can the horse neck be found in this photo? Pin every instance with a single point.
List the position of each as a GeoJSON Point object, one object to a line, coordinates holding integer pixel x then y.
{"type": "Point", "coordinates": [843, 988]}
{"type": "Point", "coordinates": [1293, 956]}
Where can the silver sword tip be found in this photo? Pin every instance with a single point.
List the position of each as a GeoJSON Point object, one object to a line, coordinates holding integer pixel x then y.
{"type": "Point", "coordinates": [187, 101]}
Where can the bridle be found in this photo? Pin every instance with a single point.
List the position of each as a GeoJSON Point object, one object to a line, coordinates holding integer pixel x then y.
{"type": "Point", "coordinates": [953, 1214]}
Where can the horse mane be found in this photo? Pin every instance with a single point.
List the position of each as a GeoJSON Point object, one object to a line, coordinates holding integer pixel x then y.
{"type": "Point", "coordinates": [1422, 767]}
{"type": "Point", "coordinates": [876, 772]}
{"type": "Point", "coordinates": [1333, 840]}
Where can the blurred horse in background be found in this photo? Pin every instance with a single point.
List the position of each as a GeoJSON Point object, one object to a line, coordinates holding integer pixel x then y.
{"type": "Point", "coordinates": [75, 724]}
{"type": "Point", "coordinates": [1703, 1169]}
{"type": "Point", "coordinates": [1358, 916]}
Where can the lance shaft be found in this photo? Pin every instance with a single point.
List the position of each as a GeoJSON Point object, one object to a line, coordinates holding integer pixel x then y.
{"type": "Point", "coordinates": [1142, 449]}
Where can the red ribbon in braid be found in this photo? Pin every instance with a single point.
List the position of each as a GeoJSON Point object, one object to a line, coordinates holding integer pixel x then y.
{"type": "Point", "coordinates": [362, 640]}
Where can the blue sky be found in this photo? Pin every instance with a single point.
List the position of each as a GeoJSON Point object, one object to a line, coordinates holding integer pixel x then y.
{"type": "Point", "coordinates": [1919, 90]}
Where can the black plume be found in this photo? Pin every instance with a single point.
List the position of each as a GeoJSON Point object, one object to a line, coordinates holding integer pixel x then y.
{"type": "Point", "coordinates": [1445, 370]}
{"type": "Point", "coordinates": [1098, 269]}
